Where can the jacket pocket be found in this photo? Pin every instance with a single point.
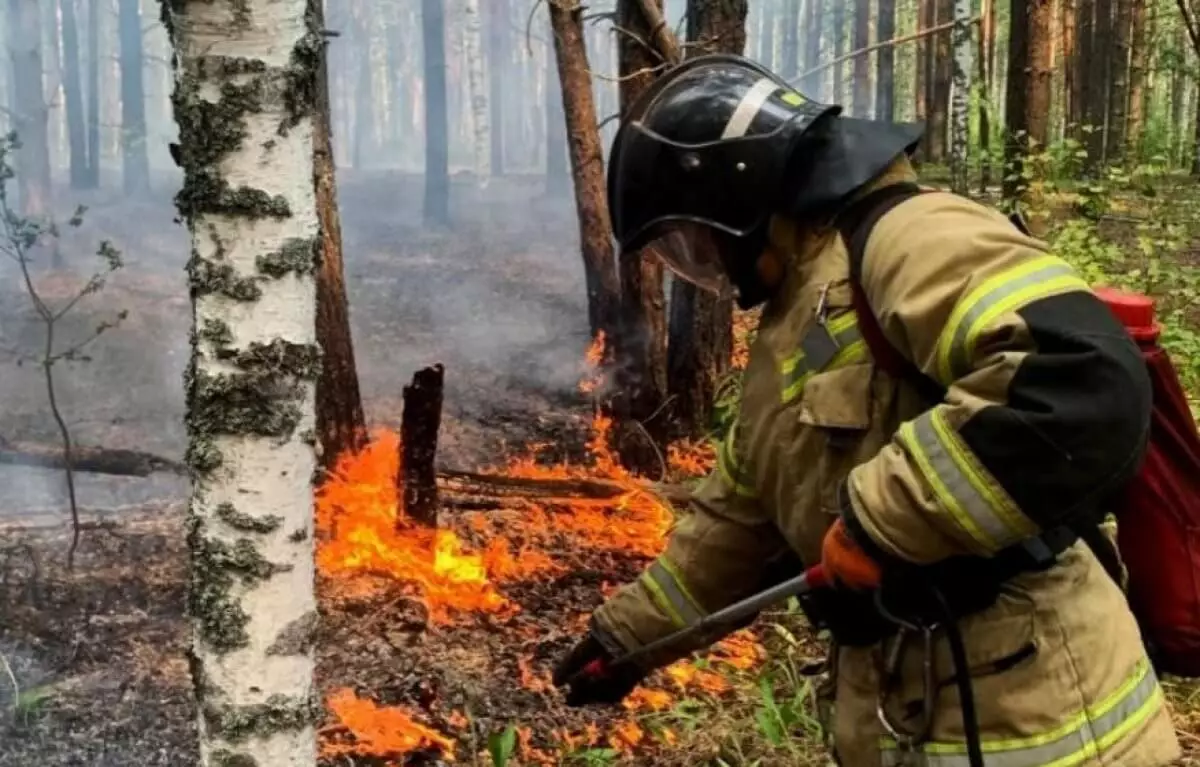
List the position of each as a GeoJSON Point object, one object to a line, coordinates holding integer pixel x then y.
{"type": "Point", "coordinates": [837, 406]}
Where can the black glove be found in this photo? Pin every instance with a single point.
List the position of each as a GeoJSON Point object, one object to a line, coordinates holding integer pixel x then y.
{"type": "Point", "coordinates": [593, 679]}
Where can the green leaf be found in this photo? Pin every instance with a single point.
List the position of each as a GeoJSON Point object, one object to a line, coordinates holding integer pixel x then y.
{"type": "Point", "coordinates": [501, 746]}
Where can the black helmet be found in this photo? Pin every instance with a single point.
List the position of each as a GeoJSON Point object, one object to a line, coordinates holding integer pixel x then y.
{"type": "Point", "coordinates": [717, 146]}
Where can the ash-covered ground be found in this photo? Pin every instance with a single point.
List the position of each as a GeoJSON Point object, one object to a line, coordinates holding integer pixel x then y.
{"type": "Point", "coordinates": [97, 655]}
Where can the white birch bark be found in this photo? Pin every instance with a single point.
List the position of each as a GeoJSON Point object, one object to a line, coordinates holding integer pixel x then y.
{"type": "Point", "coordinates": [960, 94]}
{"type": "Point", "coordinates": [480, 118]}
{"type": "Point", "coordinates": [245, 87]}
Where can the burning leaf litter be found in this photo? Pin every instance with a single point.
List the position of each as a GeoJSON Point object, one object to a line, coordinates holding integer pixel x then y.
{"type": "Point", "coordinates": [459, 575]}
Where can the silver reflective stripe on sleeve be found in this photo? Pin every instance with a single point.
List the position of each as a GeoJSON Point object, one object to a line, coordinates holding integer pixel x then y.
{"type": "Point", "coordinates": [671, 595]}
{"type": "Point", "coordinates": [1084, 737]}
{"type": "Point", "coordinates": [749, 108]}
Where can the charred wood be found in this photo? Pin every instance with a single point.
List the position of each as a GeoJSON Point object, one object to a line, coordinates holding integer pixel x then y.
{"type": "Point", "coordinates": [422, 418]}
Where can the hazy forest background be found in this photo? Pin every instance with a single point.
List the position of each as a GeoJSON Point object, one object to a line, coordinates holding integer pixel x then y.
{"type": "Point", "coordinates": [471, 234]}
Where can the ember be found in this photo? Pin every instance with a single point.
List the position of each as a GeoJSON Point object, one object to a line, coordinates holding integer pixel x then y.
{"type": "Point", "coordinates": [381, 730]}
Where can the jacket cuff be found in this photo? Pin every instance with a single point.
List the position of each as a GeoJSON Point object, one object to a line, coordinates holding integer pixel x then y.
{"type": "Point", "coordinates": [606, 640]}
{"type": "Point", "coordinates": [858, 533]}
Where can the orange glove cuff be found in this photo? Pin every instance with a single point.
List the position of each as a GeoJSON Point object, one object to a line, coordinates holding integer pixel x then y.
{"type": "Point", "coordinates": [846, 562]}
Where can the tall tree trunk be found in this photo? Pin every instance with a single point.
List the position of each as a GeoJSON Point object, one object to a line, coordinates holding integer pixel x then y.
{"type": "Point", "coordinates": [1118, 89]}
{"type": "Point", "coordinates": [641, 343]}
{"type": "Point", "coordinates": [987, 47]}
{"type": "Point", "coordinates": [437, 120]}
{"type": "Point", "coordinates": [924, 66]}
{"type": "Point", "coordinates": [1066, 23]}
{"type": "Point", "coordinates": [73, 91]}
{"type": "Point", "coordinates": [93, 94]}
{"type": "Point", "coordinates": [30, 114]}
{"type": "Point", "coordinates": [839, 48]}
{"type": "Point", "coordinates": [1138, 61]}
{"type": "Point", "coordinates": [479, 91]}
{"type": "Point", "coordinates": [1085, 32]}
{"type": "Point", "coordinates": [885, 63]}
{"type": "Point", "coordinates": [700, 333]}
{"type": "Point", "coordinates": [862, 62]}
{"type": "Point", "coordinates": [1097, 83]}
{"type": "Point", "coordinates": [249, 204]}
{"type": "Point", "coordinates": [341, 425]}
{"type": "Point", "coordinates": [1028, 90]}
{"type": "Point", "coordinates": [960, 105]}
{"type": "Point", "coordinates": [499, 50]}
{"type": "Point", "coordinates": [1179, 128]}
{"type": "Point", "coordinates": [814, 16]}
{"type": "Point", "coordinates": [790, 66]}
{"type": "Point", "coordinates": [135, 157]}
{"type": "Point", "coordinates": [587, 166]}
{"type": "Point", "coordinates": [558, 169]}
{"type": "Point", "coordinates": [939, 110]}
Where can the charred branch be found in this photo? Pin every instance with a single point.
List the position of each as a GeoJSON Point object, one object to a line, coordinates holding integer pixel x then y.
{"type": "Point", "coordinates": [422, 418]}
{"type": "Point", "coordinates": [92, 460]}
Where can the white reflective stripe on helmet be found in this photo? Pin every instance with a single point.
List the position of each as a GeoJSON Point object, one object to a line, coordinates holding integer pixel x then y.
{"type": "Point", "coordinates": [749, 107]}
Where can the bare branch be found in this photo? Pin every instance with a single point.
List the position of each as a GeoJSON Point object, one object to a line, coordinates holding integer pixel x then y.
{"type": "Point", "coordinates": [883, 44]}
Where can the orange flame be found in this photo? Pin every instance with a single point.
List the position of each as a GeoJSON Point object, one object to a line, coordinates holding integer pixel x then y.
{"type": "Point", "coordinates": [363, 533]}
{"type": "Point", "coordinates": [381, 730]}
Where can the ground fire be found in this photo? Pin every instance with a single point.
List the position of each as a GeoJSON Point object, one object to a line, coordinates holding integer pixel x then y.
{"type": "Point", "coordinates": [459, 571]}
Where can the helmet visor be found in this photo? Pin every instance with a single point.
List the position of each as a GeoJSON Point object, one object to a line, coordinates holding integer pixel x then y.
{"type": "Point", "coordinates": [692, 251]}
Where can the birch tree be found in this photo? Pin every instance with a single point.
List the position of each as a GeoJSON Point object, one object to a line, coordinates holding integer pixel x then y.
{"type": "Point", "coordinates": [960, 95]}
{"type": "Point", "coordinates": [244, 101]}
{"type": "Point", "coordinates": [478, 90]}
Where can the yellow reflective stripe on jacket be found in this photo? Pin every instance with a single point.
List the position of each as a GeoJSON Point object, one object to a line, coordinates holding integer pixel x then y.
{"type": "Point", "coordinates": [1006, 292]}
{"type": "Point", "coordinates": [1085, 736]}
{"type": "Point", "coordinates": [728, 468]}
{"type": "Point", "coordinates": [797, 369]}
{"type": "Point", "coordinates": [662, 580]}
{"type": "Point", "coordinates": [972, 500]}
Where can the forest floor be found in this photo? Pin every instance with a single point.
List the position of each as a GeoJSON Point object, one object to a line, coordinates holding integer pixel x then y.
{"type": "Point", "coordinates": [447, 644]}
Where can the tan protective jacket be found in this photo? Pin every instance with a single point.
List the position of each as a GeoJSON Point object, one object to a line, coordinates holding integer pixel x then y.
{"type": "Point", "coordinates": [1037, 417]}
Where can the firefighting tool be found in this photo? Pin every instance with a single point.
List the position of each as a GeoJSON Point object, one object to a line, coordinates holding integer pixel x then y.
{"type": "Point", "coordinates": [812, 578]}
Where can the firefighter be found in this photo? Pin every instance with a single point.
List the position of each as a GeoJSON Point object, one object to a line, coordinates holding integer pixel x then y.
{"type": "Point", "coordinates": [977, 502]}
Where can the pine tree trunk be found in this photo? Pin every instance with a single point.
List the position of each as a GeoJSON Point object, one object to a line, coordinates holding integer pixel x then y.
{"type": "Point", "coordinates": [1028, 90]}
{"type": "Point", "coordinates": [790, 66]}
{"type": "Point", "coordinates": [640, 346]}
{"type": "Point", "coordinates": [93, 95]}
{"type": "Point", "coordinates": [1179, 128]}
{"type": "Point", "coordinates": [480, 114]}
{"type": "Point", "coordinates": [73, 92]}
{"type": "Point", "coordinates": [1138, 61]}
{"type": "Point", "coordinates": [135, 158]}
{"type": "Point", "coordinates": [499, 50]}
{"type": "Point", "coordinates": [960, 105]}
{"type": "Point", "coordinates": [885, 63]}
{"type": "Point", "coordinates": [341, 425]}
{"type": "Point", "coordinates": [924, 67]}
{"type": "Point", "coordinates": [700, 333]}
{"type": "Point", "coordinates": [987, 44]}
{"type": "Point", "coordinates": [587, 166]}
{"type": "Point", "coordinates": [437, 120]}
{"type": "Point", "coordinates": [862, 62]}
{"type": "Point", "coordinates": [1085, 15]}
{"type": "Point", "coordinates": [30, 114]}
{"type": "Point", "coordinates": [1118, 89]}
{"type": "Point", "coordinates": [1098, 79]}
{"type": "Point", "coordinates": [814, 17]}
{"type": "Point", "coordinates": [245, 104]}
{"type": "Point", "coordinates": [939, 111]}
{"type": "Point", "coordinates": [1066, 25]}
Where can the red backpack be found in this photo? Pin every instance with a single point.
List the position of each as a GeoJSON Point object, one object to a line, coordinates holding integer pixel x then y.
{"type": "Point", "coordinates": [1158, 511]}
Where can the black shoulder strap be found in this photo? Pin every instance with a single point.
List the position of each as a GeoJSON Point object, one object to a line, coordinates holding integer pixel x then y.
{"type": "Point", "coordinates": [855, 223]}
